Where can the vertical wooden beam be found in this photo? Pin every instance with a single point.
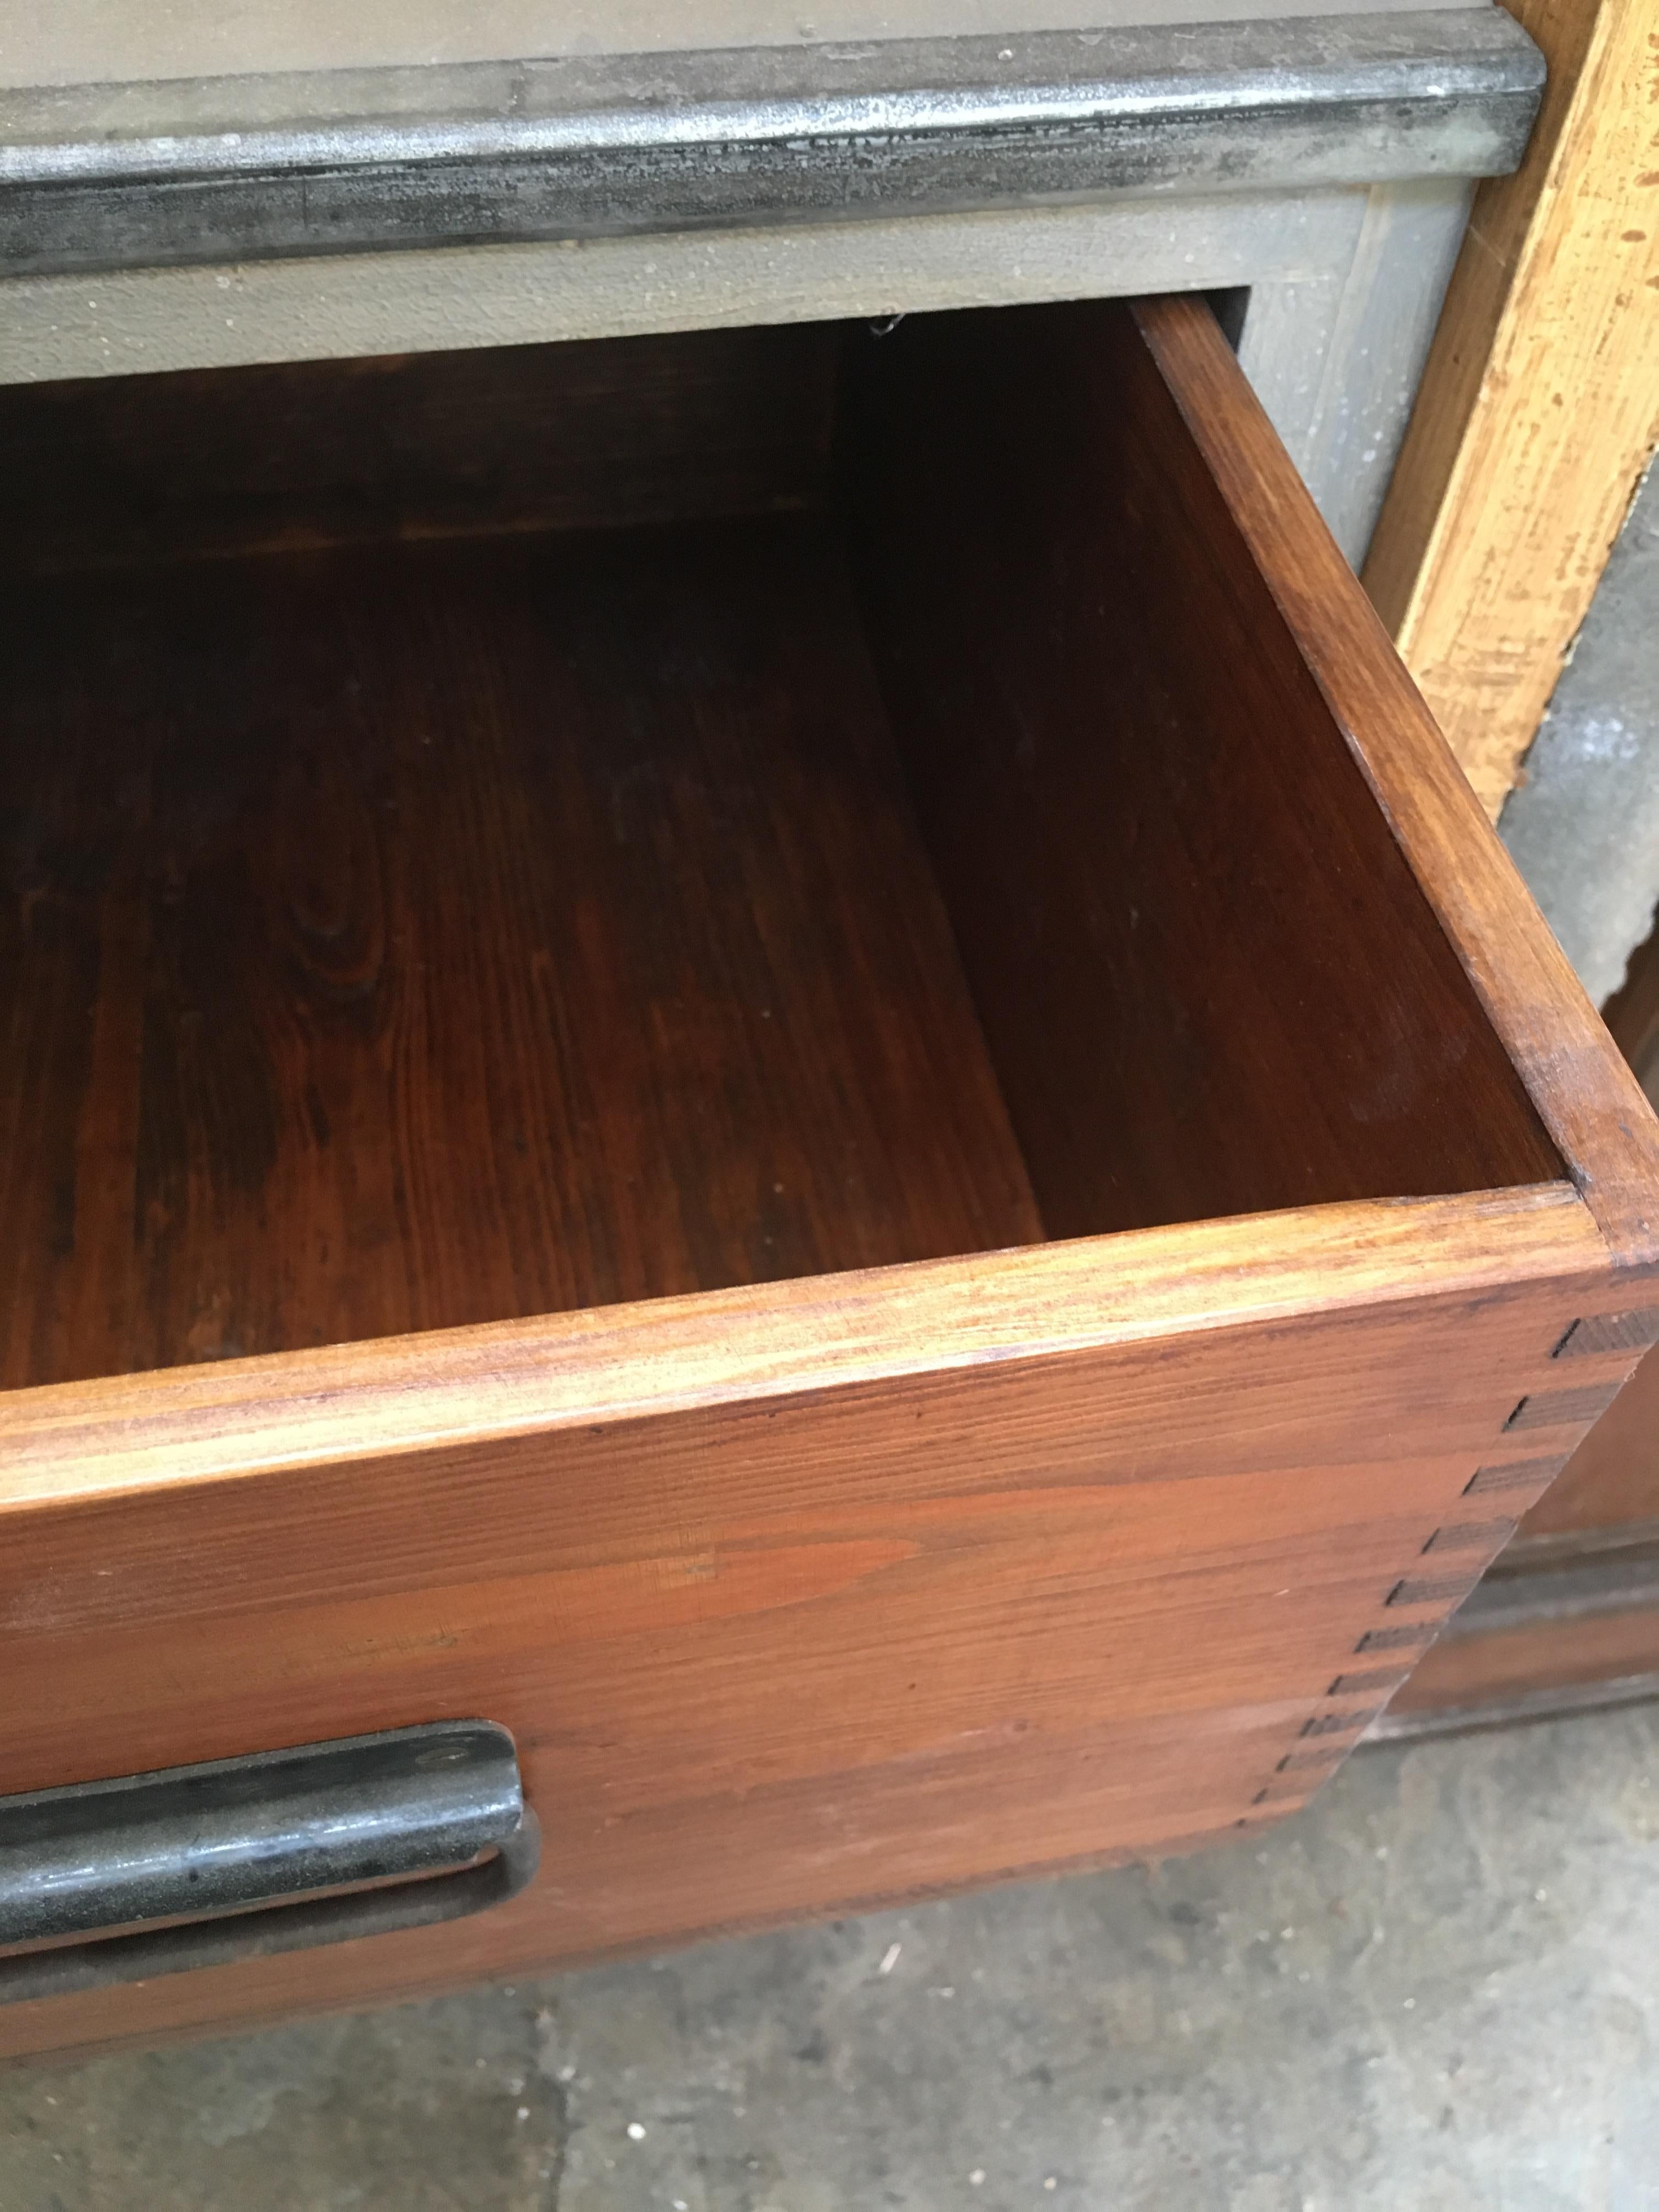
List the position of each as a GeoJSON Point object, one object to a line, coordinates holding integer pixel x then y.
{"type": "Point", "coordinates": [1539, 407]}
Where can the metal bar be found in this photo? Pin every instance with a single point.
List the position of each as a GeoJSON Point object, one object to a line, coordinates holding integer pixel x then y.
{"type": "Point", "coordinates": [73, 1969]}
{"type": "Point", "coordinates": [1621, 1580]}
{"type": "Point", "coordinates": [238, 167]}
{"type": "Point", "coordinates": [1551, 1704]}
{"type": "Point", "coordinates": [238, 1850]}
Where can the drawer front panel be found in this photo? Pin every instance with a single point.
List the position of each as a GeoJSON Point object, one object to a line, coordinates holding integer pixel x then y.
{"type": "Point", "coordinates": [787, 1658]}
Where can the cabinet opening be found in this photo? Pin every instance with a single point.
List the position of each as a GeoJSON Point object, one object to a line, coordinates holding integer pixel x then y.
{"type": "Point", "coordinates": [495, 833]}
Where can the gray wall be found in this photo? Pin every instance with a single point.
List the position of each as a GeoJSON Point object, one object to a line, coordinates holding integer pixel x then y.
{"type": "Point", "coordinates": [1583, 826]}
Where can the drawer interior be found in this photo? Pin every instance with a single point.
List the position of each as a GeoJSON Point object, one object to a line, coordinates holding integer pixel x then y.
{"type": "Point", "coordinates": [498, 833]}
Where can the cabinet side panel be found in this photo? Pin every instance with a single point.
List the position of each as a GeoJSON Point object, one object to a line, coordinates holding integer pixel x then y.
{"type": "Point", "coordinates": [779, 1660]}
{"type": "Point", "coordinates": [1569, 1619]}
{"type": "Point", "coordinates": [1612, 1481]}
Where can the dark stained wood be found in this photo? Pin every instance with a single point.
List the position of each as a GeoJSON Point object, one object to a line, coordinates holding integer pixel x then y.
{"type": "Point", "coordinates": [434, 936]}
{"type": "Point", "coordinates": [124, 1435]}
{"type": "Point", "coordinates": [1588, 1099]}
{"type": "Point", "coordinates": [823, 1587]}
{"type": "Point", "coordinates": [1209, 980]}
{"type": "Point", "coordinates": [1584, 1094]}
{"type": "Point", "coordinates": [138, 469]}
{"type": "Point", "coordinates": [1527, 1680]}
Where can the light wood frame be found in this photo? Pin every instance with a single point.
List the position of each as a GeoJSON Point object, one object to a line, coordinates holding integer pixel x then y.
{"type": "Point", "coordinates": [1538, 410]}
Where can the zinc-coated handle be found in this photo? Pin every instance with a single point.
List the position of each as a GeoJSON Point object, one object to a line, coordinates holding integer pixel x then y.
{"type": "Point", "coordinates": [243, 1858]}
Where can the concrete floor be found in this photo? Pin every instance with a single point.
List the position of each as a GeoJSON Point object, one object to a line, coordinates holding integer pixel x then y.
{"type": "Point", "coordinates": [1438, 1987]}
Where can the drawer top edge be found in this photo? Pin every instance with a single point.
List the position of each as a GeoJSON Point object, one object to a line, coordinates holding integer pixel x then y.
{"type": "Point", "coordinates": [69, 1443]}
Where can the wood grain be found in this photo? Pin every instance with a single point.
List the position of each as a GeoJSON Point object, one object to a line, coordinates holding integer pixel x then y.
{"type": "Point", "coordinates": [772, 1658]}
{"type": "Point", "coordinates": [1537, 413]}
{"type": "Point", "coordinates": [1520, 1674]}
{"type": "Point", "coordinates": [1585, 1095]}
{"type": "Point", "coordinates": [138, 470]}
{"type": "Point", "coordinates": [163, 1433]}
{"type": "Point", "coordinates": [1181, 915]}
{"type": "Point", "coordinates": [406, 939]}
{"type": "Point", "coordinates": [827, 1586]}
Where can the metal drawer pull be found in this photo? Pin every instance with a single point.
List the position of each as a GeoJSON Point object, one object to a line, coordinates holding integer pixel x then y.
{"type": "Point", "coordinates": [242, 1858]}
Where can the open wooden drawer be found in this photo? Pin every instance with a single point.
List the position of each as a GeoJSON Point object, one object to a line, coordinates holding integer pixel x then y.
{"type": "Point", "coordinates": [784, 1056]}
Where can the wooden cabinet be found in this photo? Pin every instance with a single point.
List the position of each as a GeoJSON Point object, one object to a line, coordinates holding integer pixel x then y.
{"type": "Point", "coordinates": [1569, 1619]}
{"type": "Point", "coordinates": [783, 1056]}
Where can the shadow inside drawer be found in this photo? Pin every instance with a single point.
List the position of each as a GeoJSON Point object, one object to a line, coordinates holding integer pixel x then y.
{"type": "Point", "coordinates": [424, 905]}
